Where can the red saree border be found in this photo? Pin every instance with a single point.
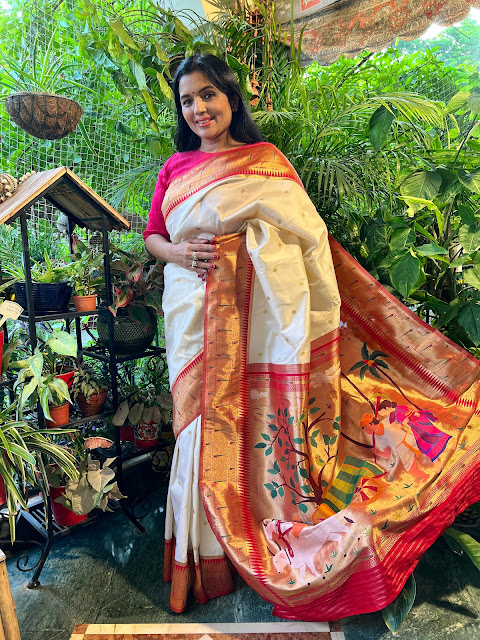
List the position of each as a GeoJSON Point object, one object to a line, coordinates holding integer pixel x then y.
{"type": "Point", "coordinates": [241, 265]}
{"type": "Point", "coordinates": [187, 394]}
{"type": "Point", "coordinates": [262, 161]}
{"type": "Point", "coordinates": [376, 587]}
{"type": "Point", "coordinates": [389, 345]}
{"type": "Point", "coordinates": [337, 248]}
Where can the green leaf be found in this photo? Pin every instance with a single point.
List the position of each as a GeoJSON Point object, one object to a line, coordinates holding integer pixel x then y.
{"type": "Point", "coordinates": [469, 318]}
{"type": "Point", "coordinates": [472, 277]}
{"type": "Point", "coordinates": [473, 102]}
{"type": "Point", "coordinates": [281, 492]}
{"type": "Point", "coordinates": [405, 274]}
{"type": "Point", "coordinates": [471, 179]}
{"type": "Point", "coordinates": [314, 410]}
{"type": "Point", "coordinates": [468, 544]}
{"type": "Point", "coordinates": [311, 401]}
{"type": "Point", "coordinates": [326, 440]}
{"type": "Point", "coordinates": [63, 343]}
{"type": "Point", "coordinates": [402, 238]}
{"type": "Point", "coordinates": [306, 488]}
{"type": "Point", "coordinates": [268, 451]}
{"type": "Point", "coordinates": [469, 237]}
{"type": "Point", "coordinates": [269, 486]}
{"type": "Point", "coordinates": [421, 184]}
{"type": "Point", "coordinates": [379, 126]}
{"type": "Point", "coordinates": [392, 257]}
{"type": "Point", "coordinates": [139, 313]}
{"type": "Point", "coordinates": [431, 250]}
{"type": "Point", "coordinates": [467, 215]}
{"type": "Point", "coordinates": [458, 100]}
{"type": "Point", "coordinates": [303, 507]}
{"type": "Point", "coordinates": [119, 30]}
{"type": "Point", "coordinates": [165, 87]}
{"type": "Point", "coordinates": [304, 473]}
{"type": "Point", "coordinates": [397, 611]}
{"type": "Point", "coordinates": [265, 436]}
{"type": "Point", "coordinates": [299, 440]}
{"type": "Point", "coordinates": [260, 445]}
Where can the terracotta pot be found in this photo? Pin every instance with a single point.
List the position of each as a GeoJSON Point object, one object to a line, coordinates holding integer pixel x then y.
{"type": "Point", "coordinates": [3, 493]}
{"type": "Point", "coordinates": [63, 516]}
{"type": "Point", "coordinates": [43, 115]}
{"type": "Point", "coordinates": [146, 435]}
{"type": "Point", "coordinates": [85, 303]}
{"type": "Point", "coordinates": [60, 415]}
{"type": "Point", "coordinates": [93, 405]}
{"type": "Point", "coordinates": [126, 433]}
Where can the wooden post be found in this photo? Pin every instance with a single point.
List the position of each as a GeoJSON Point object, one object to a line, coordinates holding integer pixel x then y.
{"type": "Point", "coordinates": [8, 616]}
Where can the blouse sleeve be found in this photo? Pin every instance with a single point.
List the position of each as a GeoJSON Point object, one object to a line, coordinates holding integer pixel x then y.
{"type": "Point", "coordinates": [156, 222]}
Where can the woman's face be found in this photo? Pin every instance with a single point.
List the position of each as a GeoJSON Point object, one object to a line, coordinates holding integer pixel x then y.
{"type": "Point", "coordinates": [206, 110]}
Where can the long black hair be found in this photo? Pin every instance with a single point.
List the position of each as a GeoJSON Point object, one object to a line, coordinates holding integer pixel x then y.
{"type": "Point", "coordinates": [242, 129]}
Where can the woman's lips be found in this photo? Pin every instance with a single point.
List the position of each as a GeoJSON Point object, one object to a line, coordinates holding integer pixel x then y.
{"type": "Point", "coordinates": [204, 123]}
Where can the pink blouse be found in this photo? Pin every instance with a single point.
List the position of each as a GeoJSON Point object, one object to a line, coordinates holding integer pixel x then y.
{"type": "Point", "coordinates": [176, 166]}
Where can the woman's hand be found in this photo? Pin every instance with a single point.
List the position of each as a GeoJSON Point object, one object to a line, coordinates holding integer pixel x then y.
{"type": "Point", "coordinates": [196, 254]}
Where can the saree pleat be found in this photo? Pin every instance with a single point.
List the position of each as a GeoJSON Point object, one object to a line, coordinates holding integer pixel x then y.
{"type": "Point", "coordinates": [330, 449]}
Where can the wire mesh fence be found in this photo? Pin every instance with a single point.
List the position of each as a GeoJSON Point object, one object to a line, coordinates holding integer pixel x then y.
{"type": "Point", "coordinates": [108, 154]}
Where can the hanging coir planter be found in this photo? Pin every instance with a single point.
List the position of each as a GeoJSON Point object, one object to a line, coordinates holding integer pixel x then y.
{"type": "Point", "coordinates": [43, 115]}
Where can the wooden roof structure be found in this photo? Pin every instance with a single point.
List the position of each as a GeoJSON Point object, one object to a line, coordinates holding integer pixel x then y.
{"type": "Point", "coordinates": [62, 188]}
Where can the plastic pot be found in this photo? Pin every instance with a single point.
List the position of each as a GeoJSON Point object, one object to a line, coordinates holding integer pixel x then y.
{"type": "Point", "coordinates": [63, 516]}
{"type": "Point", "coordinates": [3, 492]}
{"type": "Point", "coordinates": [85, 303]}
{"type": "Point", "coordinates": [60, 415]}
{"type": "Point", "coordinates": [48, 297]}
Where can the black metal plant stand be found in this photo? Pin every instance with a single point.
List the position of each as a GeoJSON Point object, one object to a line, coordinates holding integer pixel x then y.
{"type": "Point", "coordinates": [103, 217]}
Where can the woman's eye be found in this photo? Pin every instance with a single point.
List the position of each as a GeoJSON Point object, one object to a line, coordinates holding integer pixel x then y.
{"type": "Point", "coordinates": [186, 103]}
{"type": "Point", "coordinates": [209, 95]}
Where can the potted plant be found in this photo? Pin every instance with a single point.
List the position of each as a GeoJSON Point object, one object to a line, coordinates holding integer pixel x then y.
{"type": "Point", "coordinates": [94, 485]}
{"type": "Point", "coordinates": [24, 456]}
{"type": "Point", "coordinates": [85, 276]}
{"type": "Point", "coordinates": [37, 79]}
{"type": "Point", "coordinates": [89, 390]}
{"type": "Point", "coordinates": [145, 411]}
{"type": "Point", "coordinates": [51, 290]}
{"type": "Point", "coordinates": [137, 278]}
{"type": "Point", "coordinates": [39, 378]}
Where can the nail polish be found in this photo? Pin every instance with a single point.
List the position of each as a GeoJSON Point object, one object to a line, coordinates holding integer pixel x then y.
{"type": "Point", "coordinates": [212, 266]}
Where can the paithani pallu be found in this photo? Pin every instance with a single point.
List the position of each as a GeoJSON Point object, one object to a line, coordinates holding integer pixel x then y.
{"type": "Point", "coordinates": [319, 453]}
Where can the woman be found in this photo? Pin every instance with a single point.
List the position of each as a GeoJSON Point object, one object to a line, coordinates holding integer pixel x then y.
{"type": "Point", "coordinates": [321, 453]}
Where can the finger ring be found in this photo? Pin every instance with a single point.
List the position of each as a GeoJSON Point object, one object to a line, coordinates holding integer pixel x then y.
{"type": "Point", "coordinates": [194, 263]}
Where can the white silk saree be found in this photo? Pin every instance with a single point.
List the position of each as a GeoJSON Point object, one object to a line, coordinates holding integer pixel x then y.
{"type": "Point", "coordinates": [320, 452]}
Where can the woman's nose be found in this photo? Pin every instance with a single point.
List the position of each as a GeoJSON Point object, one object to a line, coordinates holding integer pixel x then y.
{"type": "Point", "coordinates": [199, 105]}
